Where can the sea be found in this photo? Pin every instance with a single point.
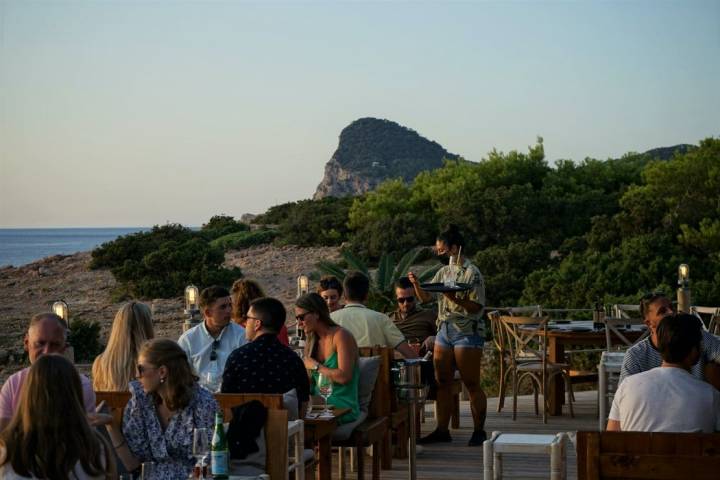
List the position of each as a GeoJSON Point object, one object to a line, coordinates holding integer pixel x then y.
{"type": "Point", "coordinates": [20, 246]}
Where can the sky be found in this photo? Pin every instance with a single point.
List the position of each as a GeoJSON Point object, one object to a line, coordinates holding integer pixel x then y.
{"type": "Point", "coordinates": [136, 113]}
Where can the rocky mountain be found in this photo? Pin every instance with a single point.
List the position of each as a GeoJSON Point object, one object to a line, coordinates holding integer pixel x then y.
{"type": "Point", "coordinates": [371, 150]}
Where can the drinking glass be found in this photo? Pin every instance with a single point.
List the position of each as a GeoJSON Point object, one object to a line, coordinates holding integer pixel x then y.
{"type": "Point", "coordinates": [201, 446]}
{"type": "Point", "coordinates": [325, 387]}
{"type": "Point", "coordinates": [308, 409]}
{"type": "Point", "coordinates": [212, 381]}
{"type": "Point", "coordinates": [146, 470]}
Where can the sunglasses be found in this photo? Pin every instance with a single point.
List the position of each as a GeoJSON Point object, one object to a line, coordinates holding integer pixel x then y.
{"type": "Point", "coordinates": [141, 369]}
{"type": "Point", "coordinates": [406, 299]}
{"type": "Point", "coordinates": [213, 352]}
{"type": "Point", "coordinates": [301, 317]}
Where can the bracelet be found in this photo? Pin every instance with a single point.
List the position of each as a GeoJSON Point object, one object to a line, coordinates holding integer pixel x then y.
{"type": "Point", "coordinates": [120, 445]}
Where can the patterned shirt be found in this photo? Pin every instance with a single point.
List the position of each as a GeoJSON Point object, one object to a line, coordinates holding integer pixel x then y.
{"type": "Point", "coordinates": [170, 449]}
{"type": "Point", "coordinates": [453, 313]}
{"type": "Point", "coordinates": [266, 366]}
{"type": "Point", "coordinates": [643, 356]}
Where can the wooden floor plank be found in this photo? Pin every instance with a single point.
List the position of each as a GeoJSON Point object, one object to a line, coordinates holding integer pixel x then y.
{"type": "Point", "coordinates": [459, 462]}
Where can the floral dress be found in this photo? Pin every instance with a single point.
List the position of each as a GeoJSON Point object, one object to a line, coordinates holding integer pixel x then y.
{"type": "Point", "coordinates": [170, 449]}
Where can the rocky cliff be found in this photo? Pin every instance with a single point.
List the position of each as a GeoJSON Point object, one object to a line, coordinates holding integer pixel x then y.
{"type": "Point", "coordinates": [371, 150]}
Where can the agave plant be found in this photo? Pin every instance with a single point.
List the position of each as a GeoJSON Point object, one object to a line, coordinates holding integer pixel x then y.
{"type": "Point", "coordinates": [381, 295]}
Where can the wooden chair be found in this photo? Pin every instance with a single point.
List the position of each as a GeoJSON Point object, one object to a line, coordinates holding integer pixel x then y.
{"type": "Point", "coordinates": [642, 455]}
{"type": "Point", "coordinates": [713, 314]}
{"type": "Point", "coordinates": [116, 402]}
{"type": "Point", "coordinates": [375, 429]}
{"type": "Point", "coordinates": [526, 340]}
{"type": "Point", "coordinates": [276, 428]}
{"type": "Point", "coordinates": [613, 326]}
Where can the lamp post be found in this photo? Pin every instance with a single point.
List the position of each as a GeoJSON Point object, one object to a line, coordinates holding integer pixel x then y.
{"type": "Point", "coordinates": [60, 308]}
{"type": "Point", "coordinates": [683, 291]}
{"type": "Point", "coordinates": [192, 311]}
{"type": "Point", "coordinates": [303, 285]}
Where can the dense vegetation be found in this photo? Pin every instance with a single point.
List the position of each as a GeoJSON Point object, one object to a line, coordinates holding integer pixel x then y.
{"type": "Point", "coordinates": [309, 222]}
{"type": "Point", "coordinates": [161, 262]}
{"type": "Point", "coordinates": [560, 235]}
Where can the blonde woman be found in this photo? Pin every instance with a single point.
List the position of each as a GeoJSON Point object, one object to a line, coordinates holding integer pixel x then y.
{"type": "Point", "coordinates": [115, 367]}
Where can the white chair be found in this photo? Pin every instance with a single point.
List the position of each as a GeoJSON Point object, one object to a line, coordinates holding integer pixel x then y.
{"type": "Point", "coordinates": [500, 443]}
{"type": "Point", "coordinates": [609, 371]}
{"type": "Point", "coordinates": [296, 448]}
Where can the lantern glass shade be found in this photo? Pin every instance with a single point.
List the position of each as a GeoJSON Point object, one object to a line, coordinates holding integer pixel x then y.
{"type": "Point", "coordinates": [683, 274]}
{"type": "Point", "coordinates": [303, 285]}
{"type": "Point", "coordinates": [191, 298]}
{"type": "Point", "coordinates": [60, 308]}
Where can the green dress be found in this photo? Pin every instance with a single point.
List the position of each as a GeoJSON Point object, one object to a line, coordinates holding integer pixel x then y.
{"type": "Point", "coordinates": [343, 396]}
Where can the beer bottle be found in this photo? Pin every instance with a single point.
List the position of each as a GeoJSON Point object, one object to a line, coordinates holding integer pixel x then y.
{"type": "Point", "coordinates": [219, 449]}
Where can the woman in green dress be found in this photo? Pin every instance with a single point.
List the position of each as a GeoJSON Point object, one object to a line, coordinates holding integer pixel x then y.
{"type": "Point", "coordinates": [330, 351]}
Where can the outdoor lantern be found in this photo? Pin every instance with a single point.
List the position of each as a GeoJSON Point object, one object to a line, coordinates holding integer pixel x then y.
{"type": "Point", "coordinates": [303, 285]}
{"type": "Point", "coordinates": [683, 291]}
{"type": "Point", "coordinates": [683, 275]}
{"type": "Point", "coordinates": [60, 308]}
{"type": "Point", "coordinates": [191, 298]}
{"type": "Point", "coordinates": [192, 311]}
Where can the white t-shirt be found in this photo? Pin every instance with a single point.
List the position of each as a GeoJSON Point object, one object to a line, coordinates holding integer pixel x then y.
{"type": "Point", "coordinates": [666, 399]}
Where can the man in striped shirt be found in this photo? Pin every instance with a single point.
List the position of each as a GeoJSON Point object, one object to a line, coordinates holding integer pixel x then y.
{"type": "Point", "coordinates": [645, 355]}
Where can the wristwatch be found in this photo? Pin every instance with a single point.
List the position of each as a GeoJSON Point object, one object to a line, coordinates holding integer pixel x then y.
{"type": "Point", "coordinates": [316, 367]}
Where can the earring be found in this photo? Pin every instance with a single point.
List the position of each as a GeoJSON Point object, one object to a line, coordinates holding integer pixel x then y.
{"type": "Point", "coordinates": [162, 380]}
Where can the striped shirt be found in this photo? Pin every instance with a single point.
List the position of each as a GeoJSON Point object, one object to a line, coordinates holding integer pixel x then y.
{"type": "Point", "coordinates": [643, 356]}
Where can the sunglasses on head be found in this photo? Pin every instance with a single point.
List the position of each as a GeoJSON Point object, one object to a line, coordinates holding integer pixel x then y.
{"type": "Point", "coordinates": [406, 299]}
{"type": "Point", "coordinates": [213, 352]}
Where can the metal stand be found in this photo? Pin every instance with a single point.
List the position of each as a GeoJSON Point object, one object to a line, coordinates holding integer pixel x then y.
{"type": "Point", "coordinates": [414, 395]}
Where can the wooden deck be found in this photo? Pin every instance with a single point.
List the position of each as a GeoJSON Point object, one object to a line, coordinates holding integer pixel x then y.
{"type": "Point", "coordinates": [458, 461]}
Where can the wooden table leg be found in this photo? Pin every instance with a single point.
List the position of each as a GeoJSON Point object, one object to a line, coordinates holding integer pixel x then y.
{"type": "Point", "coordinates": [324, 470]}
{"type": "Point", "coordinates": [556, 395]}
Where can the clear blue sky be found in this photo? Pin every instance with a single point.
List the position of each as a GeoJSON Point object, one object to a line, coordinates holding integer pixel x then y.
{"type": "Point", "coordinates": [136, 113]}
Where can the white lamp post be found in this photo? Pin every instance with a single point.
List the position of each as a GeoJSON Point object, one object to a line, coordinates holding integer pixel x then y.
{"type": "Point", "coordinates": [192, 311]}
{"type": "Point", "coordinates": [60, 308]}
{"type": "Point", "coordinates": [683, 291]}
{"type": "Point", "coordinates": [303, 285]}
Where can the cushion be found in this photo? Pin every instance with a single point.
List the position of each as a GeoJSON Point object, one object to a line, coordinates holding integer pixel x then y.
{"type": "Point", "coordinates": [290, 402]}
{"type": "Point", "coordinates": [343, 432]}
{"type": "Point", "coordinates": [369, 367]}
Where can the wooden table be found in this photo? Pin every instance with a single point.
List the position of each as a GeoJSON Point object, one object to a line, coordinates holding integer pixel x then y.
{"type": "Point", "coordinates": [318, 432]}
{"type": "Point", "coordinates": [563, 335]}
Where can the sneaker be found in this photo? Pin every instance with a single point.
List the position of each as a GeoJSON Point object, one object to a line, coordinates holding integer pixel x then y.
{"type": "Point", "coordinates": [436, 437]}
{"type": "Point", "coordinates": [478, 437]}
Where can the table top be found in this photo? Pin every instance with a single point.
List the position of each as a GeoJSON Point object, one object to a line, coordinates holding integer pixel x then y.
{"type": "Point", "coordinates": [336, 413]}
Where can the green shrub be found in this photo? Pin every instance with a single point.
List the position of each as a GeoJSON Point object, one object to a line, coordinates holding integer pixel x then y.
{"type": "Point", "coordinates": [221, 225]}
{"type": "Point", "coordinates": [84, 337]}
{"type": "Point", "coordinates": [160, 263]}
{"type": "Point", "coordinates": [237, 240]}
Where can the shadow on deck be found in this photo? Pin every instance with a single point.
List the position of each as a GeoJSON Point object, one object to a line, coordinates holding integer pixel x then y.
{"type": "Point", "coordinates": [458, 461]}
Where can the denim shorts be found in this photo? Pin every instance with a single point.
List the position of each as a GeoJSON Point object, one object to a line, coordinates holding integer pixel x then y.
{"type": "Point", "coordinates": [449, 336]}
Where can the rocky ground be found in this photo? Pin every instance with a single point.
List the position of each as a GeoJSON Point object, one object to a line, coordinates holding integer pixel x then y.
{"type": "Point", "coordinates": [33, 288]}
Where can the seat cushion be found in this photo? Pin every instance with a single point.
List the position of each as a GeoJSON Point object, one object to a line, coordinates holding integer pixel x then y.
{"type": "Point", "coordinates": [290, 402]}
{"type": "Point", "coordinates": [344, 431]}
{"type": "Point", "coordinates": [369, 367]}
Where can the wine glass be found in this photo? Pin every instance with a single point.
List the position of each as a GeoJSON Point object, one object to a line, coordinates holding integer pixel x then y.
{"type": "Point", "coordinates": [212, 381]}
{"type": "Point", "coordinates": [325, 388]}
{"type": "Point", "coordinates": [146, 470]}
{"type": "Point", "coordinates": [201, 446]}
